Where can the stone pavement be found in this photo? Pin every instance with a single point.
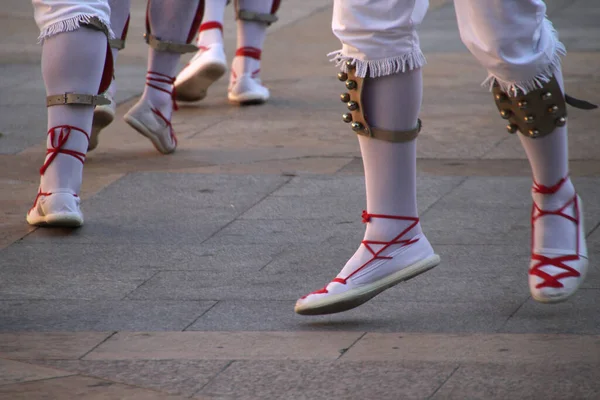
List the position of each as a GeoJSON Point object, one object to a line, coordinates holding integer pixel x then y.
{"type": "Point", "coordinates": [182, 282]}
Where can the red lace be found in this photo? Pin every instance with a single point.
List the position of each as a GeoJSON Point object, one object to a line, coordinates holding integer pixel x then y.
{"type": "Point", "coordinates": [211, 25]}
{"type": "Point", "coordinates": [376, 255]}
{"type": "Point", "coordinates": [167, 122]}
{"type": "Point", "coordinates": [162, 78]}
{"type": "Point", "coordinates": [559, 262]}
{"type": "Point", "coordinates": [59, 135]}
{"type": "Point", "coordinates": [252, 52]}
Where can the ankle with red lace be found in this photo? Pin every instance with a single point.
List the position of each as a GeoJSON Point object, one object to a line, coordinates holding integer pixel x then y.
{"type": "Point", "coordinates": [556, 274]}
{"type": "Point", "coordinates": [59, 135]}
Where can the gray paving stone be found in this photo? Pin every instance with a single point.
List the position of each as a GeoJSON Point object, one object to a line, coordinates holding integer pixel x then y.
{"type": "Point", "coordinates": [79, 315]}
{"type": "Point", "coordinates": [44, 282]}
{"type": "Point", "coordinates": [267, 380]}
{"type": "Point", "coordinates": [492, 381]}
{"type": "Point", "coordinates": [116, 258]}
{"type": "Point", "coordinates": [335, 197]}
{"type": "Point", "coordinates": [579, 315]}
{"type": "Point", "coordinates": [187, 209]}
{"type": "Point", "coordinates": [220, 285]}
{"type": "Point", "coordinates": [282, 231]}
{"type": "Point", "coordinates": [184, 377]}
{"type": "Point", "coordinates": [378, 315]}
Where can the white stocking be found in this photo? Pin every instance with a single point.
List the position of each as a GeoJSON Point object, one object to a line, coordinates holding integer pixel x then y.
{"type": "Point", "coordinates": [72, 62]}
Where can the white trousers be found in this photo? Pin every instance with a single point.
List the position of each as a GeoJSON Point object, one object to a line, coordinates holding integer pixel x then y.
{"type": "Point", "coordinates": [512, 39]}
{"type": "Point", "coordinates": [56, 16]}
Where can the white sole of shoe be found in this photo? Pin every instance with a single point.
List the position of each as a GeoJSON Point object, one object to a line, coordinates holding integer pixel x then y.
{"type": "Point", "coordinates": [102, 118]}
{"type": "Point", "coordinates": [65, 220]}
{"type": "Point", "coordinates": [246, 100]}
{"type": "Point", "coordinates": [357, 296]}
{"type": "Point", "coordinates": [141, 128]}
{"type": "Point", "coordinates": [196, 86]}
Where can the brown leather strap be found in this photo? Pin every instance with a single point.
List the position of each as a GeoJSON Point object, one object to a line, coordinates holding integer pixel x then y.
{"type": "Point", "coordinates": [76, 98]}
{"type": "Point", "coordinates": [170, 47]}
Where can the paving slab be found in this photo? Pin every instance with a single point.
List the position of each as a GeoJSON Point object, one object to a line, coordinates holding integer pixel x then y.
{"type": "Point", "coordinates": [326, 380]}
{"type": "Point", "coordinates": [49, 345]}
{"type": "Point", "coordinates": [78, 387]}
{"type": "Point", "coordinates": [379, 315]}
{"type": "Point", "coordinates": [579, 315]}
{"type": "Point", "coordinates": [223, 346]}
{"type": "Point", "coordinates": [182, 377]}
{"type": "Point", "coordinates": [533, 381]}
{"type": "Point", "coordinates": [16, 371]}
{"type": "Point", "coordinates": [99, 315]}
{"type": "Point", "coordinates": [505, 349]}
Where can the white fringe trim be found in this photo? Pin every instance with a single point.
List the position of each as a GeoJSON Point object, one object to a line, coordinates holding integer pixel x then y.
{"type": "Point", "coordinates": [382, 67]}
{"type": "Point", "coordinates": [514, 88]}
{"type": "Point", "coordinates": [72, 24]}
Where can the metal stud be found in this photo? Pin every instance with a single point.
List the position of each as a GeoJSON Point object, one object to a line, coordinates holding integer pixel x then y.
{"type": "Point", "coordinates": [505, 114]}
{"type": "Point", "coordinates": [553, 109]}
{"type": "Point", "coordinates": [529, 119]}
{"type": "Point", "coordinates": [347, 118]}
{"type": "Point", "coordinates": [533, 133]}
{"type": "Point", "coordinates": [351, 85]}
{"type": "Point", "coordinates": [345, 97]}
{"type": "Point", "coordinates": [500, 97]}
{"type": "Point", "coordinates": [561, 121]}
{"type": "Point", "coordinates": [511, 128]}
{"type": "Point", "coordinates": [546, 96]}
{"type": "Point", "coordinates": [522, 104]}
{"type": "Point", "coordinates": [357, 126]}
{"type": "Point", "coordinates": [342, 76]}
{"type": "Point", "coordinates": [352, 106]}
{"type": "Point", "coordinates": [350, 65]}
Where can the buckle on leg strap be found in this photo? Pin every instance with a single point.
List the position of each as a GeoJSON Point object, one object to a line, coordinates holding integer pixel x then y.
{"type": "Point", "coordinates": [76, 98]}
{"type": "Point", "coordinates": [245, 15]}
{"type": "Point", "coordinates": [170, 47]}
{"type": "Point", "coordinates": [118, 44]}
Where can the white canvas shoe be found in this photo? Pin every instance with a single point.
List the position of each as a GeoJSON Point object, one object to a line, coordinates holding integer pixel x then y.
{"type": "Point", "coordinates": [59, 208]}
{"type": "Point", "coordinates": [556, 274]}
{"type": "Point", "coordinates": [151, 123]}
{"type": "Point", "coordinates": [104, 115]}
{"type": "Point", "coordinates": [246, 90]}
{"type": "Point", "coordinates": [205, 68]}
{"type": "Point", "coordinates": [391, 263]}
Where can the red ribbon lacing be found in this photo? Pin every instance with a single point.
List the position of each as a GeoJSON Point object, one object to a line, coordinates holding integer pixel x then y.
{"type": "Point", "coordinates": [59, 135]}
{"type": "Point", "coordinates": [252, 52]}
{"type": "Point", "coordinates": [559, 262]}
{"type": "Point", "coordinates": [211, 25]}
{"type": "Point", "coordinates": [162, 78]}
{"type": "Point", "coordinates": [376, 255]}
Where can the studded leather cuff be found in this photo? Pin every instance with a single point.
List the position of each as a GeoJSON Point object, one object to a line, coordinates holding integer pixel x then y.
{"type": "Point", "coordinates": [357, 118]}
{"type": "Point", "coordinates": [535, 114]}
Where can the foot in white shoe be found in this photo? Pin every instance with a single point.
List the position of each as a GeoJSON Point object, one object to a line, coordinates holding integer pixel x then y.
{"type": "Point", "coordinates": [103, 116]}
{"type": "Point", "coordinates": [388, 264]}
{"type": "Point", "coordinates": [556, 274]}
{"type": "Point", "coordinates": [205, 68]}
{"type": "Point", "coordinates": [247, 89]}
{"type": "Point", "coordinates": [60, 208]}
{"type": "Point", "coordinates": [150, 122]}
